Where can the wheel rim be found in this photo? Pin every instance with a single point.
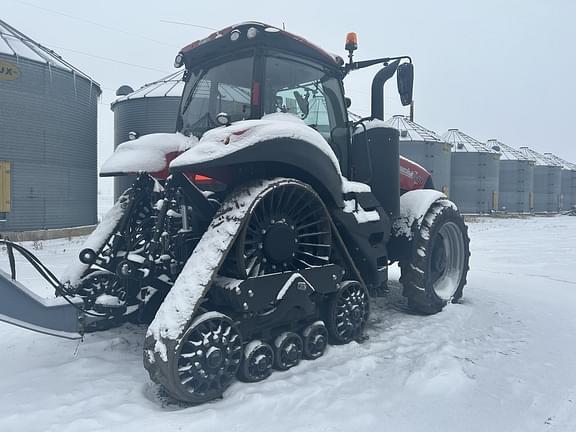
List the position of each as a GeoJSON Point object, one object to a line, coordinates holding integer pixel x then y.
{"type": "Point", "coordinates": [350, 312]}
{"type": "Point", "coordinates": [447, 261]}
{"type": "Point", "coordinates": [288, 230]}
{"type": "Point", "coordinates": [258, 362]}
{"type": "Point", "coordinates": [210, 357]}
{"type": "Point", "coordinates": [102, 283]}
{"type": "Point", "coordinates": [315, 341]}
{"type": "Point", "coordinates": [288, 350]}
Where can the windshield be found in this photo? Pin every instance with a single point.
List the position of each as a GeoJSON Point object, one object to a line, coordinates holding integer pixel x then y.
{"type": "Point", "coordinates": [222, 88]}
{"type": "Point", "coordinates": [293, 86]}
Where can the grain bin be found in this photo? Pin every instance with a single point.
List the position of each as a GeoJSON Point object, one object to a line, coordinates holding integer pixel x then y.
{"type": "Point", "coordinates": [426, 148]}
{"type": "Point", "coordinates": [48, 138]}
{"type": "Point", "coordinates": [568, 182]}
{"type": "Point", "coordinates": [515, 192]}
{"type": "Point", "coordinates": [547, 182]}
{"type": "Point", "coordinates": [152, 108]}
{"type": "Point", "coordinates": [474, 173]}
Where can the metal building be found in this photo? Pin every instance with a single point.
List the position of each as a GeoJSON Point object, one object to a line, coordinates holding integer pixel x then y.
{"type": "Point", "coordinates": [547, 182]}
{"type": "Point", "coordinates": [568, 182]}
{"type": "Point", "coordinates": [152, 108]}
{"type": "Point", "coordinates": [475, 173]}
{"type": "Point", "coordinates": [426, 148]}
{"type": "Point", "coordinates": [48, 138]}
{"type": "Point", "coordinates": [515, 193]}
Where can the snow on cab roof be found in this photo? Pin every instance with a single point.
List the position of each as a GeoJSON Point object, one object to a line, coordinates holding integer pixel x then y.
{"type": "Point", "coordinates": [170, 85]}
{"type": "Point", "coordinates": [16, 44]}
{"type": "Point", "coordinates": [411, 131]}
{"type": "Point", "coordinates": [540, 159]}
{"type": "Point", "coordinates": [565, 164]}
{"type": "Point", "coordinates": [507, 152]}
{"type": "Point", "coordinates": [465, 143]}
{"type": "Point", "coordinates": [330, 58]}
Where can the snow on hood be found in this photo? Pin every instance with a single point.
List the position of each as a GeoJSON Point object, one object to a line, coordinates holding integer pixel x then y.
{"type": "Point", "coordinates": [226, 140]}
{"type": "Point", "coordinates": [147, 153]}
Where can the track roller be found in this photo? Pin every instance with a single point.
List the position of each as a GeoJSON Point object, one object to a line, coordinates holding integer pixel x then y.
{"type": "Point", "coordinates": [257, 362]}
{"type": "Point", "coordinates": [315, 338]}
{"type": "Point", "coordinates": [289, 348]}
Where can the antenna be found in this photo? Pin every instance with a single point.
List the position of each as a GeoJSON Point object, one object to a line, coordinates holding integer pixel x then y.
{"type": "Point", "coordinates": [188, 24]}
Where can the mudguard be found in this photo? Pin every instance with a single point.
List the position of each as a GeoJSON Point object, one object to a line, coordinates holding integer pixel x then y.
{"type": "Point", "coordinates": [278, 144]}
{"type": "Point", "coordinates": [285, 157]}
{"type": "Point", "coordinates": [150, 153]}
{"type": "Point", "coordinates": [413, 207]}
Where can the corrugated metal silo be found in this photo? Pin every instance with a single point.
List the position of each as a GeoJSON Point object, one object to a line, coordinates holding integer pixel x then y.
{"type": "Point", "coordinates": [547, 182]}
{"type": "Point", "coordinates": [474, 173]}
{"type": "Point", "coordinates": [152, 108]}
{"type": "Point", "coordinates": [568, 188]}
{"type": "Point", "coordinates": [426, 148]}
{"type": "Point", "coordinates": [48, 138]}
{"type": "Point", "coordinates": [515, 193]}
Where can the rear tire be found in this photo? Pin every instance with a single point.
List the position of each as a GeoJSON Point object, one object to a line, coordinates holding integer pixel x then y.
{"type": "Point", "coordinates": [435, 272]}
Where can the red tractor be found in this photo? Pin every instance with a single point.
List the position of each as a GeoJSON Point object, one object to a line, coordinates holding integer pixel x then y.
{"type": "Point", "coordinates": [256, 234]}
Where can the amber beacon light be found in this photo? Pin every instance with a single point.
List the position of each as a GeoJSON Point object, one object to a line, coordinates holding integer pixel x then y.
{"type": "Point", "coordinates": [351, 42]}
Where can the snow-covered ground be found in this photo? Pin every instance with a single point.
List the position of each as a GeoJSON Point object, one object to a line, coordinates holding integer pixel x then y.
{"type": "Point", "coordinates": [502, 360]}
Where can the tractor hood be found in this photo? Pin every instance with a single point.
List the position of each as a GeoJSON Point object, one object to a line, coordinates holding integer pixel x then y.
{"type": "Point", "coordinates": [223, 141]}
{"type": "Point", "coordinates": [150, 153]}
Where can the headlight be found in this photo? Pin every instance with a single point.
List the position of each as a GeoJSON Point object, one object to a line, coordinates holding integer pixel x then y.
{"type": "Point", "coordinates": [252, 32]}
{"type": "Point", "coordinates": [235, 35]}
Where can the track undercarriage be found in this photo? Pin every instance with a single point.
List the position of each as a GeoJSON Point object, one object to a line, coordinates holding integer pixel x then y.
{"type": "Point", "coordinates": [265, 282]}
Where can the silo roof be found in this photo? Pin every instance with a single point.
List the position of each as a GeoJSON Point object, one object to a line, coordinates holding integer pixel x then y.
{"type": "Point", "coordinates": [171, 85]}
{"type": "Point", "coordinates": [507, 152]}
{"type": "Point", "coordinates": [564, 163]}
{"type": "Point", "coordinates": [540, 159]}
{"type": "Point", "coordinates": [410, 131]}
{"type": "Point", "coordinates": [465, 143]}
{"type": "Point", "coordinates": [16, 44]}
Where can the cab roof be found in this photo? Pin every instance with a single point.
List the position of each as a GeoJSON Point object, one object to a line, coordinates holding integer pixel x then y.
{"type": "Point", "coordinates": [253, 35]}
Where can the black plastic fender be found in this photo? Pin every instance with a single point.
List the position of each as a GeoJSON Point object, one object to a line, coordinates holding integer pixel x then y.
{"type": "Point", "coordinates": [277, 157]}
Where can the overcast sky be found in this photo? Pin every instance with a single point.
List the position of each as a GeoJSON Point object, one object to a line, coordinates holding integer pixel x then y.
{"type": "Point", "coordinates": [494, 69]}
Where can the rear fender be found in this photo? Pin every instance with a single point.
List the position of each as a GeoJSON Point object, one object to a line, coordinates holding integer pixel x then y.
{"type": "Point", "coordinates": [284, 157]}
{"type": "Point", "coordinates": [150, 153]}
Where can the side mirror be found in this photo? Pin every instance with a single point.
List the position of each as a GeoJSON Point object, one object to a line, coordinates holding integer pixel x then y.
{"type": "Point", "coordinates": [302, 104]}
{"type": "Point", "coordinates": [405, 77]}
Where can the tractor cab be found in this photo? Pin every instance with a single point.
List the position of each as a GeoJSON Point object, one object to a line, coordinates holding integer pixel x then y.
{"type": "Point", "coordinates": [253, 70]}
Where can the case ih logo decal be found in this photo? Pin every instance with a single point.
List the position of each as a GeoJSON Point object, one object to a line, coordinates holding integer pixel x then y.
{"type": "Point", "coordinates": [8, 71]}
{"type": "Point", "coordinates": [412, 175]}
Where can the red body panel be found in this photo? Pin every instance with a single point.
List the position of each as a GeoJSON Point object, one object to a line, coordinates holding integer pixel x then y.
{"type": "Point", "coordinates": [412, 175]}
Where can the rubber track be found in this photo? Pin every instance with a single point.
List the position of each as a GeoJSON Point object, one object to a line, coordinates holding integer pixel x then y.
{"type": "Point", "coordinates": [163, 338]}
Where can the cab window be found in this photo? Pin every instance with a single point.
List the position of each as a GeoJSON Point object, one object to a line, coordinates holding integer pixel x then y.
{"type": "Point", "coordinates": [312, 94]}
